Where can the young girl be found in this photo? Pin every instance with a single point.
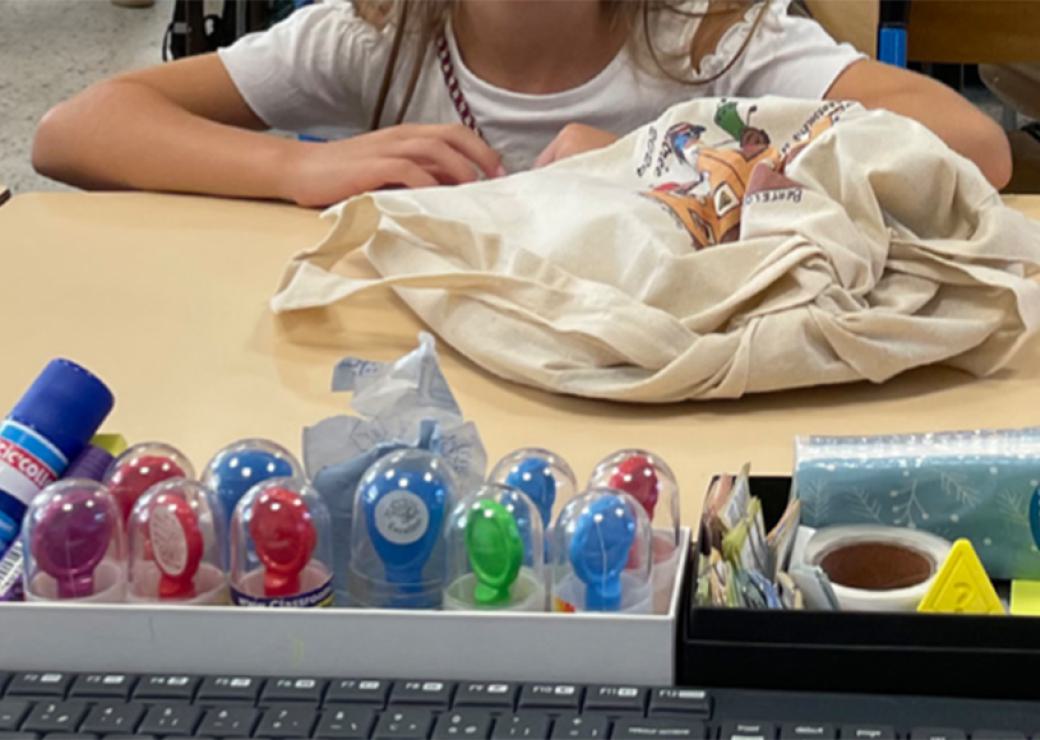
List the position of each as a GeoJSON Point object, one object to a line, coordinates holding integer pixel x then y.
{"type": "Point", "coordinates": [416, 93]}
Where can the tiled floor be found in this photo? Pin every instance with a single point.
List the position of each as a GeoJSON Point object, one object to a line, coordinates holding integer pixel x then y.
{"type": "Point", "coordinates": [50, 49]}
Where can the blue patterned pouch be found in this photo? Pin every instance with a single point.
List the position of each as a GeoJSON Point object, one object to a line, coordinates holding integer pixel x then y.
{"type": "Point", "coordinates": [973, 484]}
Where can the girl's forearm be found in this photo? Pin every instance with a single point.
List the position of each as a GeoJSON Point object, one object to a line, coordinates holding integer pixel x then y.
{"type": "Point", "coordinates": [965, 128]}
{"type": "Point", "coordinates": [122, 134]}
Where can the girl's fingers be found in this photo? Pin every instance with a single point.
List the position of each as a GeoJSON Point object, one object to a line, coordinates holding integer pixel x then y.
{"type": "Point", "coordinates": [548, 155]}
{"type": "Point", "coordinates": [473, 147]}
{"type": "Point", "coordinates": [438, 158]}
{"type": "Point", "coordinates": [396, 171]}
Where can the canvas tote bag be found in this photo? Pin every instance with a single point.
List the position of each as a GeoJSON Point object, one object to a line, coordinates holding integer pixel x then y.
{"type": "Point", "coordinates": [729, 247]}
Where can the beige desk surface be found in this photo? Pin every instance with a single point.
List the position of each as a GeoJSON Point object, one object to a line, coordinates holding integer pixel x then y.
{"type": "Point", "coordinates": [165, 298]}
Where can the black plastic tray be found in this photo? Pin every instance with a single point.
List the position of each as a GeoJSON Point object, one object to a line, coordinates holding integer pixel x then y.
{"type": "Point", "coordinates": [949, 655]}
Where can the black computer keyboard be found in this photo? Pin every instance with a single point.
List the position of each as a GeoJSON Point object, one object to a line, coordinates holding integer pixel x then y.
{"type": "Point", "coordinates": [112, 705]}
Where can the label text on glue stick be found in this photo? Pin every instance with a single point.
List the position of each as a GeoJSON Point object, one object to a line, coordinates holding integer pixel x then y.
{"type": "Point", "coordinates": [28, 462]}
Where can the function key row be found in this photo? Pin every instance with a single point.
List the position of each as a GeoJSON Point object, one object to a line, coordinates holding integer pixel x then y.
{"type": "Point", "coordinates": [378, 693]}
{"type": "Point", "coordinates": [184, 688]}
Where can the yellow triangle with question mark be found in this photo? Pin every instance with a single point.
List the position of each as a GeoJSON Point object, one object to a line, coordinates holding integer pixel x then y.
{"type": "Point", "coordinates": [961, 585]}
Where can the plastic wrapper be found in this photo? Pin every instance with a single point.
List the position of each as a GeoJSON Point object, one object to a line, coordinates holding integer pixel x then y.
{"type": "Point", "coordinates": [402, 404]}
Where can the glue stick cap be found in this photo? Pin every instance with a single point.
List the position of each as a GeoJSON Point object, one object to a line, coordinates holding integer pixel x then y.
{"type": "Point", "coordinates": [543, 475]}
{"type": "Point", "coordinates": [601, 559]}
{"type": "Point", "coordinates": [74, 544]}
{"type": "Point", "coordinates": [396, 542]}
{"type": "Point", "coordinates": [281, 546]}
{"type": "Point", "coordinates": [66, 404]}
{"type": "Point", "coordinates": [495, 552]}
{"type": "Point", "coordinates": [175, 536]}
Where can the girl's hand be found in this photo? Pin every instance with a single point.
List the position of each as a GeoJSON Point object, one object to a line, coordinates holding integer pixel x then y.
{"type": "Point", "coordinates": [409, 155]}
{"type": "Point", "coordinates": [574, 138]}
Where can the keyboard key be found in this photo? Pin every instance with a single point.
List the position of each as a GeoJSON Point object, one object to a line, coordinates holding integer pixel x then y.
{"type": "Point", "coordinates": [358, 692]}
{"type": "Point", "coordinates": [39, 684]}
{"type": "Point", "coordinates": [403, 724]}
{"type": "Point", "coordinates": [658, 727]}
{"type": "Point", "coordinates": [747, 731]}
{"type": "Point", "coordinates": [997, 735]}
{"type": "Point", "coordinates": [19, 736]}
{"type": "Point", "coordinates": [808, 731]}
{"type": "Point", "coordinates": [615, 699]}
{"type": "Point", "coordinates": [229, 721]}
{"type": "Point", "coordinates": [580, 727]}
{"type": "Point", "coordinates": [466, 723]}
{"type": "Point", "coordinates": [562, 696]}
{"type": "Point", "coordinates": [496, 695]}
{"type": "Point", "coordinates": [112, 717]}
{"type": "Point", "coordinates": [292, 689]}
{"type": "Point", "coordinates": [350, 723]}
{"type": "Point", "coordinates": [170, 719]}
{"type": "Point", "coordinates": [229, 688]}
{"type": "Point", "coordinates": [287, 721]}
{"type": "Point", "coordinates": [680, 701]}
{"type": "Point", "coordinates": [522, 725]}
{"type": "Point", "coordinates": [166, 687]}
{"type": "Point", "coordinates": [55, 716]}
{"type": "Point", "coordinates": [67, 736]}
{"type": "Point", "coordinates": [426, 693]}
{"type": "Point", "coordinates": [102, 686]}
{"type": "Point", "coordinates": [868, 732]}
{"type": "Point", "coordinates": [12, 712]}
{"type": "Point", "coordinates": [937, 733]}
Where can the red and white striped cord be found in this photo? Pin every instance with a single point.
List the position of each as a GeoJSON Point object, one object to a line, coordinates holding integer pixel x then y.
{"type": "Point", "coordinates": [458, 98]}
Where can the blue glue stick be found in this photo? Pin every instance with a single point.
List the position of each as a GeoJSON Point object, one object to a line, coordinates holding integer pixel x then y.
{"type": "Point", "coordinates": [599, 550]}
{"type": "Point", "coordinates": [51, 424]}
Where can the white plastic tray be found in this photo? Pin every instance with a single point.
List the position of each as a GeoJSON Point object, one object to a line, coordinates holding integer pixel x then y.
{"type": "Point", "coordinates": [369, 643]}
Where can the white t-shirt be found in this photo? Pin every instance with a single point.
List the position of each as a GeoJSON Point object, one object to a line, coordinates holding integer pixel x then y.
{"type": "Point", "coordinates": [319, 71]}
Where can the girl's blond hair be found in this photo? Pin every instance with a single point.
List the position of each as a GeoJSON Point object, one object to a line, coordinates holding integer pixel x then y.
{"type": "Point", "coordinates": [423, 20]}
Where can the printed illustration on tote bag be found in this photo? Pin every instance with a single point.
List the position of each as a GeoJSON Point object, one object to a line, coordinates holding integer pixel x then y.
{"type": "Point", "coordinates": [709, 205]}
